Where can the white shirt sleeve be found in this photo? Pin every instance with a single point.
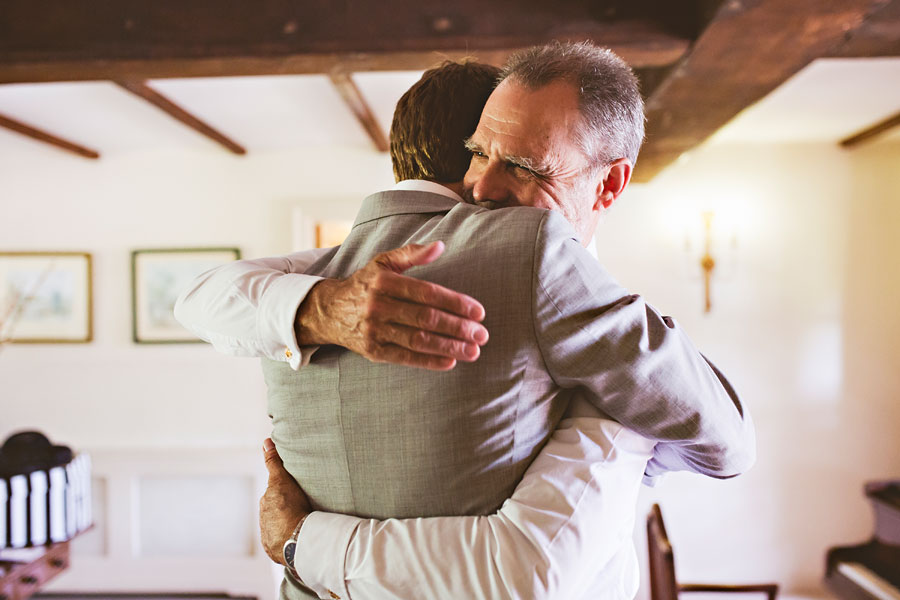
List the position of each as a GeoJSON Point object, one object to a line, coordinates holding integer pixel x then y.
{"type": "Point", "coordinates": [248, 307]}
{"type": "Point", "coordinates": [566, 532]}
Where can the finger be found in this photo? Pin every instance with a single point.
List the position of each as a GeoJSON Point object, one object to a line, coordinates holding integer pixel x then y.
{"type": "Point", "coordinates": [273, 460]}
{"type": "Point", "coordinates": [402, 356]}
{"type": "Point", "coordinates": [411, 255]}
{"type": "Point", "coordinates": [429, 320]}
{"type": "Point", "coordinates": [430, 294]}
{"type": "Point", "coordinates": [424, 342]}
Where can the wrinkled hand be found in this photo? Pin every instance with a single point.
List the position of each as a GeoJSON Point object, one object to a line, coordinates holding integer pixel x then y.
{"type": "Point", "coordinates": [281, 507]}
{"type": "Point", "coordinates": [389, 317]}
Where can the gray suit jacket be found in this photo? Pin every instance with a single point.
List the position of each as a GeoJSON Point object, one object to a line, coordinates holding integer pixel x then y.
{"type": "Point", "coordinates": [379, 440]}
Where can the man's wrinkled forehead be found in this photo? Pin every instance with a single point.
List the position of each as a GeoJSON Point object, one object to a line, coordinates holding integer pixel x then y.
{"type": "Point", "coordinates": [533, 124]}
{"type": "Point", "coordinates": [501, 112]}
{"type": "Point", "coordinates": [514, 106]}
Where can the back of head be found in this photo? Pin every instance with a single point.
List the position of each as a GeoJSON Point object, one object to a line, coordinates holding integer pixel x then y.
{"type": "Point", "coordinates": [609, 96]}
{"type": "Point", "coordinates": [434, 117]}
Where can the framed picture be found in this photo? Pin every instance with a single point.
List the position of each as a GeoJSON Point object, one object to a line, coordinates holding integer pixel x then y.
{"type": "Point", "coordinates": [157, 279]}
{"type": "Point", "coordinates": [332, 233]}
{"type": "Point", "coordinates": [45, 297]}
{"type": "Point", "coordinates": [308, 232]}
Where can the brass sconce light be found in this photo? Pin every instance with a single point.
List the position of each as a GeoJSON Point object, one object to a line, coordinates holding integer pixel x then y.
{"type": "Point", "coordinates": [707, 262]}
{"type": "Point", "coordinates": [709, 236]}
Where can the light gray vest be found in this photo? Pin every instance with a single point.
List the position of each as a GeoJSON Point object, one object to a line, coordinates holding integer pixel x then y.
{"type": "Point", "coordinates": [379, 440]}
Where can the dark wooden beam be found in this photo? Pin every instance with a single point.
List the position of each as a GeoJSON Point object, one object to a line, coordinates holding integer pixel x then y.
{"type": "Point", "coordinates": [651, 78]}
{"type": "Point", "coordinates": [879, 35]}
{"type": "Point", "coordinates": [354, 99]}
{"type": "Point", "coordinates": [60, 69]}
{"type": "Point", "coordinates": [47, 138]}
{"type": "Point", "coordinates": [870, 132]}
{"type": "Point", "coordinates": [57, 40]}
{"type": "Point", "coordinates": [748, 50]}
{"type": "Point", "coordinates": [142, 90]}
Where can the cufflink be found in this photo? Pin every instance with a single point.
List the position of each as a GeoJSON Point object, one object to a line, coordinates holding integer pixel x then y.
{"type": "Point", "coordinates": [288, 353]}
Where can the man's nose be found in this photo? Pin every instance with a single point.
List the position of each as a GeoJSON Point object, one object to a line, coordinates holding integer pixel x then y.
{"type": "Point", "coordinates": [491, 184]}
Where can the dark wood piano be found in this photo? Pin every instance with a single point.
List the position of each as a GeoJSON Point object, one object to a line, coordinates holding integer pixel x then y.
{"type": "Point", "coordinates": [871, 571]}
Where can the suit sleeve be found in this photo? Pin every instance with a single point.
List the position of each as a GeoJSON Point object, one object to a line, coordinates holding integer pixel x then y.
{"type": "Point", "coordinates": [247, 308]}
{"type": "Point", "coordinates": [636, 366]}
{"type": "Point", "coordinates": [566, 530]}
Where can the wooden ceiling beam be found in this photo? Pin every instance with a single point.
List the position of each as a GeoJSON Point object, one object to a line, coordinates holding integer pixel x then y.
{"type": "Point", "coordinates": [144, 91]}
{"type": "Point", "coordinates": [879, 35]}
{"type": "Point", "coordinates": [654, 54]}
{"type": "Point", "coordinates": [748, 50]}
{"type": "Point", "coordinates": [58, 40]}
{"type": "Point", "coordinates": [48, 138]}
{"type": "Point", "coordinates": [357, 104]}
{"type": "Point", "coordinates": [869, 132]}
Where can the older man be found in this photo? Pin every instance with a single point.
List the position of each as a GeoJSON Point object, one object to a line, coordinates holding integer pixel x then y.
{"type": "Point", "coordinates": [634, 364]}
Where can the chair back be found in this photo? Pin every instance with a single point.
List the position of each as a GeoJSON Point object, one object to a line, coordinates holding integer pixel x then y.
{"type": "Point", "coordinates": [662, 562]}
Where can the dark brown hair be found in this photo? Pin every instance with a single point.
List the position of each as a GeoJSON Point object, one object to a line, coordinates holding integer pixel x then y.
{"type": "Point", "coordinates": [434, 117]}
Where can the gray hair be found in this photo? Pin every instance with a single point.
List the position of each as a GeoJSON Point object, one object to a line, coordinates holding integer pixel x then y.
{"type": "Point", "coordinates": [609, 97]}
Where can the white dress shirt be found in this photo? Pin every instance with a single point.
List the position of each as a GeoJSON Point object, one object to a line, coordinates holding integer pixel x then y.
{"type": "Point", "coordinates": [565, 532]}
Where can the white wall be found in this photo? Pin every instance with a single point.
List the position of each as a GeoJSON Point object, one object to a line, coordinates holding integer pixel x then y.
{"type": "Point", "coordinates": [177, 410]}
{"type": "Point", "coordinates": [154, 396]}
{"type": "Point", "coordinates": [804, 322]}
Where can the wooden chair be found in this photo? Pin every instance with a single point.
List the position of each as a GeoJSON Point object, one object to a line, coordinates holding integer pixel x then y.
{"type": "Point", "coordinates": [663, 585]}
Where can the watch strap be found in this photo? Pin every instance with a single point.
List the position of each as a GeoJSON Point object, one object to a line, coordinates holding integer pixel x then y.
{"type": "Point", "coordinates": [289, 551]}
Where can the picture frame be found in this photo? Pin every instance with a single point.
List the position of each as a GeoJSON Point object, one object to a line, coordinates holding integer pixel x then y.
{"type": "Point", "coordinates": [308, 232]}
{"type": "Point", "coordinates": [46, 297]}
{"type": "Point", "coordinates": [332, 233]}
{"type": "Point", "coordinates": [158, 277]}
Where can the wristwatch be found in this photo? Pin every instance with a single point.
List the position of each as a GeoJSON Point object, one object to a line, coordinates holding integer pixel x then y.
{"type": "Point", "coordinates": [290, 550]}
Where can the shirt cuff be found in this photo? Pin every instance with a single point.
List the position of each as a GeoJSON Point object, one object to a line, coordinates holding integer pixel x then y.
{"type": "Point", "coordinates": [277, 312]}
{"type": "Point", "coordinates": [655, 471]}
{"type": "Point", "coordinates": [322, 551]}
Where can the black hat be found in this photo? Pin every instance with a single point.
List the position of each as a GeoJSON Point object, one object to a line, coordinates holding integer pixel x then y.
{"type": "Point", "coordinates": [28, 451]}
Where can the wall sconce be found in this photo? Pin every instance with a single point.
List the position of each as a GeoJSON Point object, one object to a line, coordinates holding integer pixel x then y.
{"type": "Point", "coordinates": [705, 226]}
{"type": "Point", "coordinates": [711, 241]}
{"type": "Point", "coordinates": [707, 262]}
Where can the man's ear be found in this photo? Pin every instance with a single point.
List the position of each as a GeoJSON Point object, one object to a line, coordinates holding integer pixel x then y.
{"type": "Point", "coordinates": [615, 177]}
